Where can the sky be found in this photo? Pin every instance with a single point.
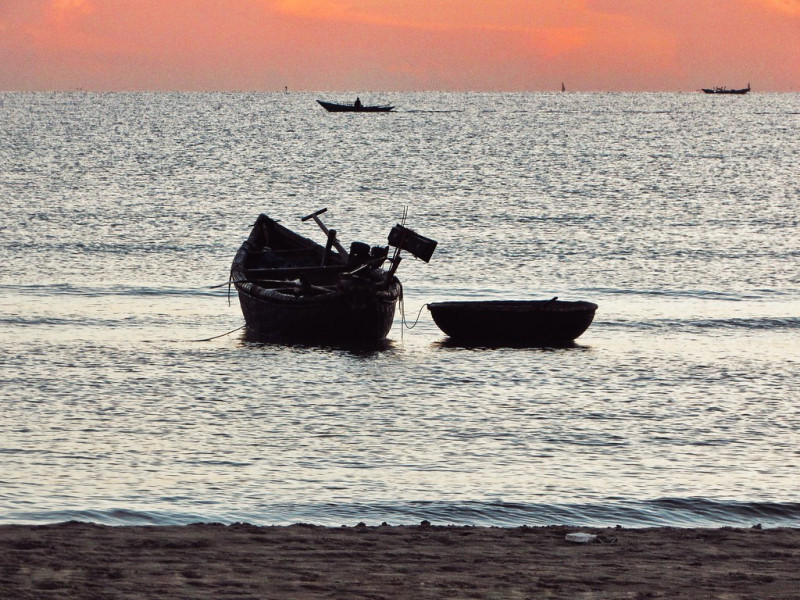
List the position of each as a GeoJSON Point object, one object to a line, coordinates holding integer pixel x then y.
{"type": "Point", "coordinates": [399, 45]}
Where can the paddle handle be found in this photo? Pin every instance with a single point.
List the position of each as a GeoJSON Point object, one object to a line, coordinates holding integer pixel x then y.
{"type": "Point", "coordinates": [315, 215]}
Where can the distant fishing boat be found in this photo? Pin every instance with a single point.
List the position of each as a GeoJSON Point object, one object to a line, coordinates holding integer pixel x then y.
{"type": "Point", "coordinates": [724, 90]}
{"type": "Point", "coordinates": [357, 106]}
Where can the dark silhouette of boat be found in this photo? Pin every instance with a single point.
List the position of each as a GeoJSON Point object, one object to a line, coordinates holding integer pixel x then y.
{"type": "Point", "coordinates": [355, 107]}
{"type": "Point", "coordinates": [513, 322]}
{"type": "Point", "coordinates": [724, 90]}
{"type": "Point", "coordinates": [291, 288]}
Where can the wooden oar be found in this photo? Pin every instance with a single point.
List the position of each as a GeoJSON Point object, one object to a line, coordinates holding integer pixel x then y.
{"type": "Point", "coordinates": [315, 216]}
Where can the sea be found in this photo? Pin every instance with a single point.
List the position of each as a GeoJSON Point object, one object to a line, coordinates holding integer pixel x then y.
{"type": "Point", "coordinates": [131, 395]}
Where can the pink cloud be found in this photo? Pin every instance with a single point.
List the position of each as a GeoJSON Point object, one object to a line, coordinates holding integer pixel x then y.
{"type": "Point", "coordinates": [403, 44]}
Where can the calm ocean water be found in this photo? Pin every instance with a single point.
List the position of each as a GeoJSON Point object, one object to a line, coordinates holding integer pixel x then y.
{"type": "Point", "coordinates": [676, 213]}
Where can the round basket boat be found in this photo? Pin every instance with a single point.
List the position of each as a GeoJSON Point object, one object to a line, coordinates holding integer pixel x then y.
{"type": "Point", "coordinates": [517, 322]}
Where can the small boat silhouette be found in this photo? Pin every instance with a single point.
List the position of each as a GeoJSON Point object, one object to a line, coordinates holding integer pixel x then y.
{"type": "Point", "coordinates": [724, 90]}
{"type": "Point", "coordinates": [355, 107]}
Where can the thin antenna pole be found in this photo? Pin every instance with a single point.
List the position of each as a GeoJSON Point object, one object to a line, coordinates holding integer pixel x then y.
{"type": "Point", "coordinates": [396, 255]}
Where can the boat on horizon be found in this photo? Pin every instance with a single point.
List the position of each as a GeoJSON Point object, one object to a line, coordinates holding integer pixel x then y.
{"type": "Point", "coordinates": [724, 90]}
{"type": "Point", "coordinates": [354, 107]}
{"type": "Point", "coordinates": [551, 322]}
{"type": "Point", "coordinates": [293, 289]}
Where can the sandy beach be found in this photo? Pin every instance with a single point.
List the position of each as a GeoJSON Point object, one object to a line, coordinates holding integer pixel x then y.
{"type": "Point", "coordinates": [80, 560]}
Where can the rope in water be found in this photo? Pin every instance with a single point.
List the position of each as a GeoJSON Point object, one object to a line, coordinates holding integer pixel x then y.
{"type": "Point", "coordinates": [220, 335]}
{"type": "Point", "coordinates": [403, 313]}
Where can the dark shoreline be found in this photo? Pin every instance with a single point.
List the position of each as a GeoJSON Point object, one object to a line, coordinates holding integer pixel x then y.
{"type": "Point", "coordinates": [82, 560]}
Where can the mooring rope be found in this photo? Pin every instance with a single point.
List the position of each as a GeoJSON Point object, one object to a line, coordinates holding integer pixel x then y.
{"type": "Point", "coordinates": [403, 313]}
{"type": "Point", "coordinates": [220, 335]}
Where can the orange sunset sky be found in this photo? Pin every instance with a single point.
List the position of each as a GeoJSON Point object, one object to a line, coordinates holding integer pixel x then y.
{"type": "Point", "coordinates": [399, 45]}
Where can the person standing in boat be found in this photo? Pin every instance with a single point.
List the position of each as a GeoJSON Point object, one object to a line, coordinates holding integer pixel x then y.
{"type": "Point", "coordinates": [357, 103]}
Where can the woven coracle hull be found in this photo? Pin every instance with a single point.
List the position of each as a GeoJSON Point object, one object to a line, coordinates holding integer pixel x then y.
{"type": "Point", "coordinates": [348, 316]}
{"type": "Point", "coordinates": [519, 322]}
{"type": "Point", "coordinates": [293, 289]}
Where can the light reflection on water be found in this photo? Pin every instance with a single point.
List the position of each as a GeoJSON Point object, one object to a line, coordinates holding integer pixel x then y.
{"type": "Point", "coordinates": [676, 406]}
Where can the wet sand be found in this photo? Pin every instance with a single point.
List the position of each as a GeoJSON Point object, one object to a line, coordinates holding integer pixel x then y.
{"type": "Point", "coordinates": [80, 560]}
